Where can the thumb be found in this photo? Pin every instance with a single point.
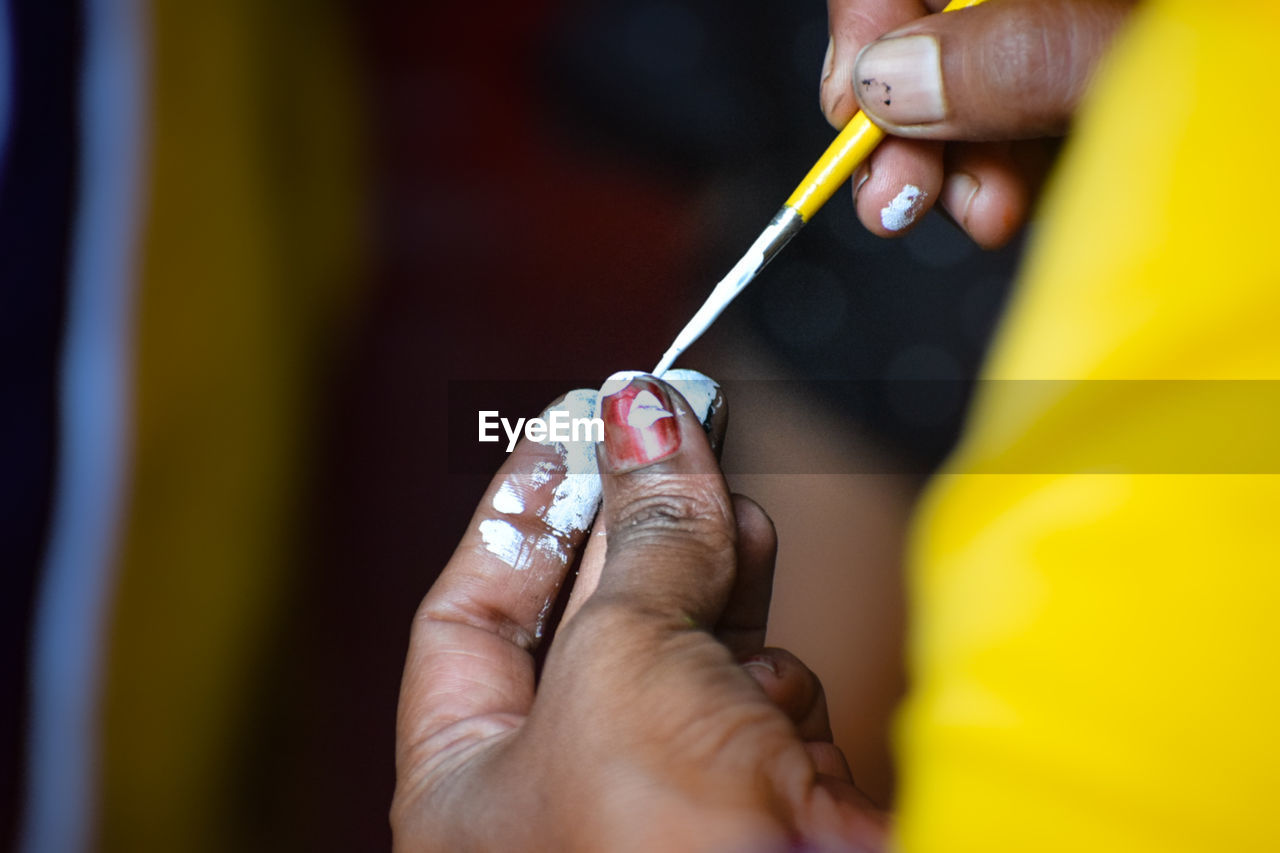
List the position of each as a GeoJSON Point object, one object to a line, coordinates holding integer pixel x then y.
{"type": "Point", "coordinates": [1007, 69]}
{"type": "Point", "coordinates": [665, 504]}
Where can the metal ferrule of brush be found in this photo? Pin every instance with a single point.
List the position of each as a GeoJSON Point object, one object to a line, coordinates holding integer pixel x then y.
{"type": "Point", "coordinates": [785, 224]}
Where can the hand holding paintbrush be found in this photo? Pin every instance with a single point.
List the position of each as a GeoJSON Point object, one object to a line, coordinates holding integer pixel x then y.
{"type": "Point", "coordinates": [935, 79]}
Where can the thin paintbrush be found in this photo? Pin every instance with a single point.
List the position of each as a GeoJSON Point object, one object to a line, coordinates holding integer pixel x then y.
{"type": "Point", "coordinates": [858, 139]}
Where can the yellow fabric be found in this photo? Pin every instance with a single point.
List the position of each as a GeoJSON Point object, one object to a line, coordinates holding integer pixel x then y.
{"type": "Point", "coordinates": [249, 244]}
{"type": "Point", "coordinates": [1094, 654]}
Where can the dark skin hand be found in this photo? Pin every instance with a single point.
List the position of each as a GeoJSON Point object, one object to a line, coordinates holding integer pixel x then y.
{"type": "Point", "coordinates": [659, 721]}
{"type": "Point", "coordinates": [973, 104]}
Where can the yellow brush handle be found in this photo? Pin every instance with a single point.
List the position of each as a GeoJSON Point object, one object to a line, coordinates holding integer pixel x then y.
{"type": "Point", "coordinates": [858, 139]}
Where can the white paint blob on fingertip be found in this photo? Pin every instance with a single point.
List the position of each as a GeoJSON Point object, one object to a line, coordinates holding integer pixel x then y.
{"type": "Point", "coordinates": [903, 210]}
{"type": "Point", "coordinates": [503, 540]}
{"type": "Point", "coordinates": [507, 501]}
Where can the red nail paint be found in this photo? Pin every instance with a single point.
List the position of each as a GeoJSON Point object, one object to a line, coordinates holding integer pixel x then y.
{"type": "Point", "coordinates": [640, 426]}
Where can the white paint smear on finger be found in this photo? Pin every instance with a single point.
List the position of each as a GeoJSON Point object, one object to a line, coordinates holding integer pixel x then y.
{"type": "Point", "coordinates": [574, 501]}
{"type": "Point", "coordinates": [903, 210]}
{"type": "Point", "coordinates": [504, 540]}
{"type": "Point", "coordinates": [507, 501]}
{"type": "Point", "coordinates": [552, 547]}
{"type": "Point", "coordinates": [542, 473]}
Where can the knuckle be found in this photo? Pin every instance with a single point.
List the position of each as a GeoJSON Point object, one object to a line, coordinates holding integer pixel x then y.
{"type": "Point", "coordinates": [1017, 55]}
{"type": "Point", "coordinates": [609, 634]}
{"type": "Point", "coordinates": [1037, 59]}
{"type": "Point", "coordinates": [603, 616]}
{"type": "Point", "coordinates": [688, 519]}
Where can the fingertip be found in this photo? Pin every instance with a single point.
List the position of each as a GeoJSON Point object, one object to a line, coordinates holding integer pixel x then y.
{"type": "Point", "coordinates": [642, 423]}
{"type": "Point", "coordinates": [958, 192]}
{"type": "Point", "coordinates": [702, 396]}
{"type": "Point", "coordinates": [901, 186]}
{"type": "Point", "coordinates": [757, 535]}
{"type": "Point", "coordinates": [993, 218]}
{"type": "Point", "coordinates": [666, 506]}
{"type": "Point", "coordinates": [754, 524]}
{"type": "Point", "coordinates": [794, 689]}
{"type": "Point", "coordinates": [986, 193]}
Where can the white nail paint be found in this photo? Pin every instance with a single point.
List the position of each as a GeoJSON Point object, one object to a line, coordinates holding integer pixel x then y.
{"type": "Point", "coordinates": [502, 539]}
{"type": "Point", "coordinates": [701, 391]}
{"type": "Point", "coordinates": [575, 500]}
{"type": "Point", "coordinates": [698, 389]}
{"type": "Point", "coordinates": [904, 208]}
{"type": "Point", "coordinates": [646, 410]}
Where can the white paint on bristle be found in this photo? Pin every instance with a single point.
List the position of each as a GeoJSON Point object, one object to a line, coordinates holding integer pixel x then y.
{"type": "Point", "coordinates": [507, 501]}
{"type": "Point", "coordinates": [904, 208]}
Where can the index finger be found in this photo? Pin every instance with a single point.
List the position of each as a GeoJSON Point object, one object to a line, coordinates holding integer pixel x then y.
{"type": "Point", "coordinates": [469, 651]}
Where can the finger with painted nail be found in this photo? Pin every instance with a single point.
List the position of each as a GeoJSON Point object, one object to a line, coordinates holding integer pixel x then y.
{"type": "Point", "coordinates": [701, 395]}
{"type": "Point", "coordinates": [682, 597]}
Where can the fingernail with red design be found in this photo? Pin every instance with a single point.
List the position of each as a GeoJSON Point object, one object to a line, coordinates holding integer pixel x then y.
{"type": "Point", "coordinates": [640, 425]}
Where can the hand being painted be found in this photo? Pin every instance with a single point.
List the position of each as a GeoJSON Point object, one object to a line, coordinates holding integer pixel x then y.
{"type": "Point", "coordinates": [659, 721]}
{"type": "Point", "coordinates": [989, 75]}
